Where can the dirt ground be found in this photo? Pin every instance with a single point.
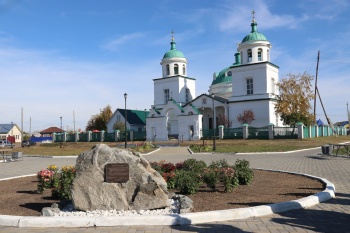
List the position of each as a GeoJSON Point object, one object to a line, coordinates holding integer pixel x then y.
{"type": "Point", "coordinates": [19, 197]}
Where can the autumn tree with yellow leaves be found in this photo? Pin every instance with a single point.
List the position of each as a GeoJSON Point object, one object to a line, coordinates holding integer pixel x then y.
{"type": "Point", "coordinates": [294, 99]}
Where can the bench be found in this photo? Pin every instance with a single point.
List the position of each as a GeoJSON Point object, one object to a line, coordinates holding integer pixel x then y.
{"type": "Point", "coordinates": [338, 146]}
{"type": "Point", "coordinates": [5, 153]}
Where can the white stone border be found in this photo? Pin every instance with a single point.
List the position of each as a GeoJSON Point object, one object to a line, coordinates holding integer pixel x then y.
{"type": "Point", "coordinates": [176, 219]}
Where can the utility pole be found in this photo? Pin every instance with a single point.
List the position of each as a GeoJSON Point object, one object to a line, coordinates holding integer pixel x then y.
{"type": "Point", "coordinates": [22, 124]}
{"type": "Point", "coordinates": [318, 59]}
{"type": "Point", "coordinates": [30, 126]}
{"type": "Point", "coordinates": [73, 121]}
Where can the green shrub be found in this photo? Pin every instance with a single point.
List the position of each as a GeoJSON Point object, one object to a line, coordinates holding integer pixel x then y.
{"type": "Point", "coordinates": [59, 181]}
{"type": "Point", "coordinates": [211, 177]}
{"type": "Point", "coordinates": [219, 164]}
{"type": "Point", "coordinates": [243, 172]}
{"type": "Point", "coordinates": [194, 165]}
{"type": "Point", "coordinates": [229, 178]}
{"type": "Point", "coordinates": [188, 182]}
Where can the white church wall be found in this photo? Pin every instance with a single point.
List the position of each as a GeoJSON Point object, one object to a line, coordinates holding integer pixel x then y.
{"type": "Point", "coordinates": [190, 127]}
{"type": "Point", "coordinates": [156, 129]}
{"type": "Point", "coordinates": [259, 108]}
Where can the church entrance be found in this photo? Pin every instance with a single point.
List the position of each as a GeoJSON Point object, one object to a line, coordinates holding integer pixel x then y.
{"type": "Point", "coordinates": [172, 124]}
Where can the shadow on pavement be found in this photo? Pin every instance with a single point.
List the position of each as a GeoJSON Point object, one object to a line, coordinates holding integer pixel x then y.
{"type": "Point", "coordinates": [320, 220]}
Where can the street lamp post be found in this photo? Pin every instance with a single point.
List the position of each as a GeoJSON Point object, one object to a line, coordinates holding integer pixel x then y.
{"type": "Point", "coordinates": [126, 117]}
{"type": "Point", "coordinates": [12, 134]}
{"type": "Point", "coordinates": [61, 134]}
{"type": "Point", "coordinates": [214, 145]}
{"type": "Point", "coordinates": [145, 124]}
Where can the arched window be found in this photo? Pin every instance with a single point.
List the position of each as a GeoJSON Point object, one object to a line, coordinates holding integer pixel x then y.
{"type": "Point", "coordinates": [176, 69]}
{"type": "Point", "coordinates": [260, 54]}
{"type": "Point", "coordinates": [249, 58]}
{"type": "Point", "coordinates": [190, 113]}
{"type": "Point", "coordinates": [167, 70]}
{"type": "Point", "coordinates": [183, 69]}
{"type": "Point", "coordinates": [242, 57]}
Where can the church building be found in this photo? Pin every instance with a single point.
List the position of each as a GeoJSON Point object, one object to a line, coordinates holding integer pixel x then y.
{"type": "Point", "coordinates": [247, 84]}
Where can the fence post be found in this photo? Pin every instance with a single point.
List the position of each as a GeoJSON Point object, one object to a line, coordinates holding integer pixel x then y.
{"type": "Point", "coordinates": [270, 127]}
{"type": "Point", "coordinates": [131, 135]}
{"type": "Point", "coordinates": [221, 131]}
{"type": "Point", "coordinates": [300, 127]}
{"type": "Point", "coordinates": [316, 127]}
{"type": "Point", "coordinates": [53, 137]}
{"type": "Point", "coordinates": [116, 135]}
{"type": "Point", "coordinates": [102, 135]}
{"type": "Point", "coordinates": [76, 138]}
{"type": "Point", "coordinates": [245, 131]}
{"type": "Point", "coordinates": [65, 137]}
{"type": "Point", "coordinates": [88, 138]}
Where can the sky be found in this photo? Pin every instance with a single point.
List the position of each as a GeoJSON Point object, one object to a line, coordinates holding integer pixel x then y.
{"type": "Point", "coordinates": [71, 59]}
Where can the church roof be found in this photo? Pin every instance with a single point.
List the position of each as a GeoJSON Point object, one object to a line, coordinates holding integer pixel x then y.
{"type": "Point", "coordinates": [254, 35]}
{"type": "Point", "coordinates": [134, 117]}
{"type": "Point", "coordinates": [173, 52]}
{"type": "Point", "coordinates": [222, 77]}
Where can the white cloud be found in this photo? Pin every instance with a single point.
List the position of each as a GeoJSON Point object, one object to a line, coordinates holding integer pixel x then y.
{"type": "Point", "coordinates": [114, 44]}
{"type": "Point", "coordinates": [236, 13]}
{"type": "Point", "coordinates": [48, 87]}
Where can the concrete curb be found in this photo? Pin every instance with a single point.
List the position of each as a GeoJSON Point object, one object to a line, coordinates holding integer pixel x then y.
{"type": "Point", "coordinates": [180, 219]}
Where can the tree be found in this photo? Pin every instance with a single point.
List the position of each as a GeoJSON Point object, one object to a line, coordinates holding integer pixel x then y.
{"type": "Point", "coordinates": [222, 120]}
{"type": "Point", "coordinates": [119, 125]}
{"type": "Point", "coordinates": [99, 121]}
{"type": "Point", "coordinates": [246, 117]}
{"type": "Point", "coordinates": [294, 99]}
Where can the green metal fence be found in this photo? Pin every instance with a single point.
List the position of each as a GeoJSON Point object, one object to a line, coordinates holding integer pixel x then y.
{"type": "Point", "coordinates": [233, 133]}
{"type": "Point", "coordinates": [209, 133]}
{"type": "Point", "coordinates": [258, 133]}
{"type": "Point", "coordinates": [70, 138]}
{"type": "Point", "coordinates": [139, 136]}
{"type": "Point", "coordinates": [83, 137]}
{"type": "Point", "coordinates": [306, 132]}
{"type": "Point", "coordinates": [109, 137]}
{"type": "Point", "coordinates": [285, 133]}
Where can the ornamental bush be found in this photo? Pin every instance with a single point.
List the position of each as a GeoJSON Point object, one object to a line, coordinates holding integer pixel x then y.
{"type": "Point", "coordinates": [194, 165]}
{"type": "Point", "coordinates": [211, 177]}
{"type": "Point", "coordinates": [188, 182]}
{"type": "Point", "coordinates": [243, 172]}
{"type": "Point", "coordinates": [59, 181]}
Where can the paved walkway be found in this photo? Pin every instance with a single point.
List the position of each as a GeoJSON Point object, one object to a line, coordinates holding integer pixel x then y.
{"type": "Point", "coordinates": [331, 216]}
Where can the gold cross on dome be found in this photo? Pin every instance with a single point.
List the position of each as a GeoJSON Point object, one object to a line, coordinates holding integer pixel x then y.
{"type": "Point", "coordinates": [172, 35]}
{"type": "Point", "coordinates": [253, 16]}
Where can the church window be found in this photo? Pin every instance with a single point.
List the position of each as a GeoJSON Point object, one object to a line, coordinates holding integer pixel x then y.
{"type": "Point", "coordinates": [268, 55]}
{"type": "Point", "coordinates": [260, 55]}
{"type": "Point", "coordinates": [249, 86]}
{"type": "Point", "coordinates": [176, 69]}
{"type": "Point", "coordinates": [184, 70]}
{"type": "Point", "coordinates": [249, 58]}
{"type": "Point", "coordinates": [167, 70]}
{"type": "Point", "coordinates": [166, 96]}
{"type": "Point", "coordinates": [204, 101]}
{"type": "Point", "coordinates": [190, 113]}
{"type": "Point", "coordinates": [242, 57]}
{"type": "Point", "coordinates": [229, 73]}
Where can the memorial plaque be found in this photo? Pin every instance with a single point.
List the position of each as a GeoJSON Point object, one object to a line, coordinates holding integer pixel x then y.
{"type": "Point", "coordinates": [117, 172]}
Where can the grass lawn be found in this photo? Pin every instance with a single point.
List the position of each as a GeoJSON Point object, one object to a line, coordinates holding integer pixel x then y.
{"type": "Point", "coordinates": [253, 145]}
{"type": "Point", "coordinates": [222, 146]}
{"type": "Point", "coordinates": [69, 148]}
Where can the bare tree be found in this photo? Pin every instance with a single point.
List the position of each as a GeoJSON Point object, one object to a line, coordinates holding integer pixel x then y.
{"type": "Point", "coordinates": [246, 117]}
